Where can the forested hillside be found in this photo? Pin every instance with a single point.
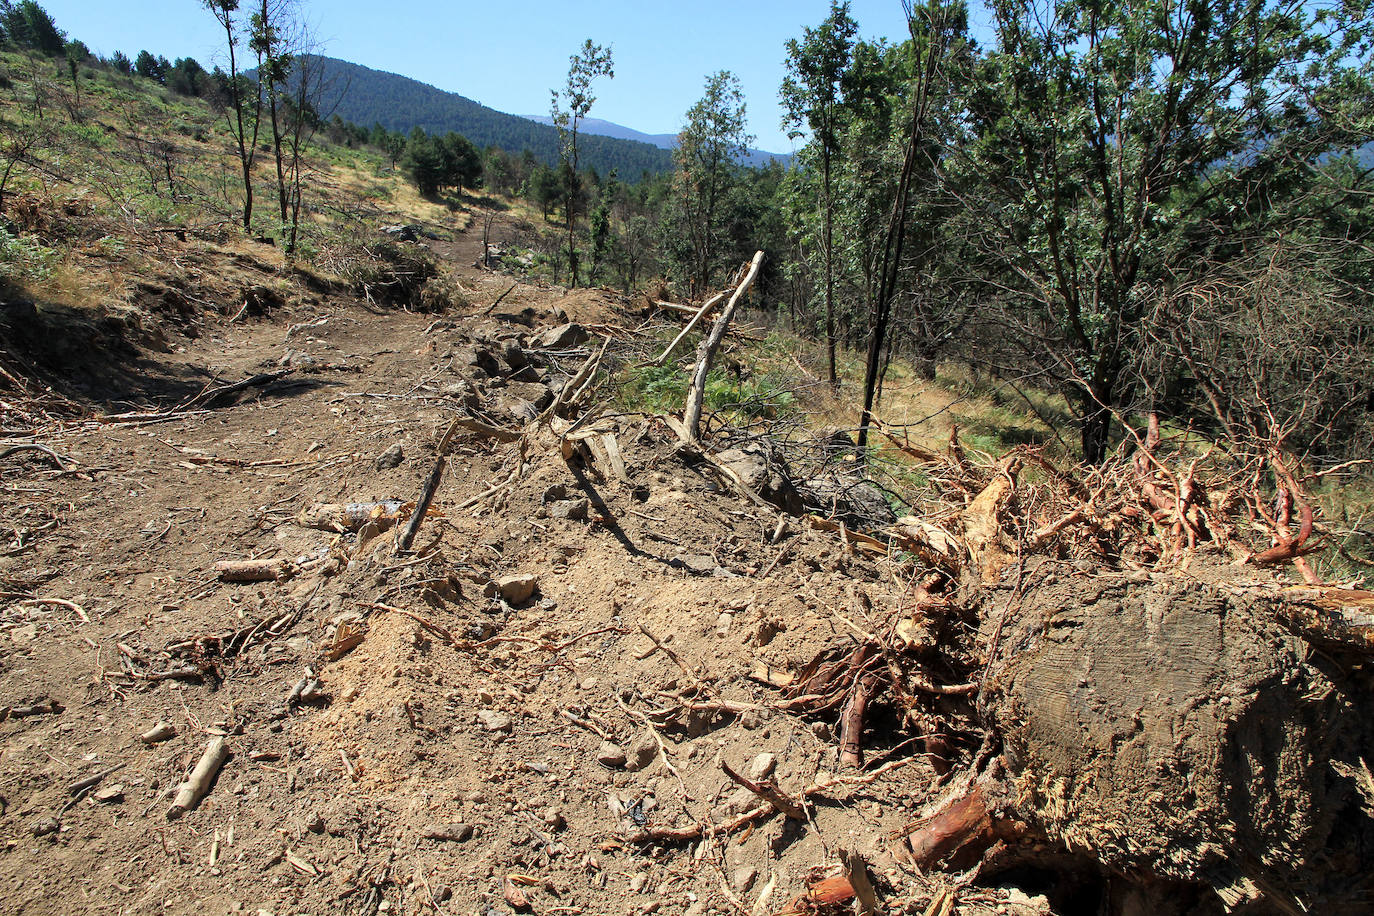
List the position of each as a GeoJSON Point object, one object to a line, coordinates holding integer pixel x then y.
{"type": "Point", "coordinates": [367, 97]}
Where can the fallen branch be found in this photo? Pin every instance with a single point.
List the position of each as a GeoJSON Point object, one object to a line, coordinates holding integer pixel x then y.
{"type": "Point", "coordinates": [278, 570]}
{"type": "Point", "coordinates": [198, 783]}
{"type": "Point", "coordinates": [499, 299]}
{"type": "Point", "coordinates": [769, 792]}
{"type": "Point", "coordinates": [427, 492]}
{"type": "Point", "coordinates": [212, 397]}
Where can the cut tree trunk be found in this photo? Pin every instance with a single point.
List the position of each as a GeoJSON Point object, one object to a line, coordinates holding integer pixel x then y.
{"type": "Point", "coordinates": [1179, 730]}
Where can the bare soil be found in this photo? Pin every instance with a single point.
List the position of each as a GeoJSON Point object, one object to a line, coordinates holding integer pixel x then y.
{"type": "Point", "coordinates": [457, 745]}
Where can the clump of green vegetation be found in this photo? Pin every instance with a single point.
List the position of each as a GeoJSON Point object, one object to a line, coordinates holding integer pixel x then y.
{"type": "Point", "coordinates": [652, 389]}
{"type": "Point", "coordinates": [23, 260]}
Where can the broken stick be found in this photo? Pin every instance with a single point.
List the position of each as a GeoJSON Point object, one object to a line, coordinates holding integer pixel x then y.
{"type": "Point", "coordinates": [254, 570]}
{"type": "Point", "coordinates": [691, 326]}
{"type": "Point", "coordinates": [706, 352]}
{"type": "Point", "coordinates": [427, 492]}
{"type": "Point", "coordinates": [198, 783]}
{"type": "Point", "coordinates": [769, 792]}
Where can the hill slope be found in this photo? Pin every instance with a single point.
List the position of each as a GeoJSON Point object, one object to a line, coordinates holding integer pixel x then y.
{"type": "Point", "coordinates": [366, 97]}
{"type": "Point", "coordinates": [601, 128]}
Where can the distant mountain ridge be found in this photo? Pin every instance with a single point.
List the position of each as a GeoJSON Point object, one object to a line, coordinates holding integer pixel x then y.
{"type": "Point", "coordinates": [398, 103]}
{"type": "Point", "coordinates": [754, 157]}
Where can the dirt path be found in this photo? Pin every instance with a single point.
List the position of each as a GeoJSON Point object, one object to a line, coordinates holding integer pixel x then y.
{"type": "Point", "coordinates": [499, 738]}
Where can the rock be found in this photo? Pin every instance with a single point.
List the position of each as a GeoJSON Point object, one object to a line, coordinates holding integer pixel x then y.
{"type": "Point", "coordinates": [448, 833]}
{"type": "Point", "coordinates": [850, 499]}
{"type": "Point", "coordinates": [515, 356]}
{"type": "Point", "coordinates": [563, 337]}
{"type": "Point", "coordinates": [464, 392]}
{"type": "Point", "coordinates": [638, 882]}
{"type": "Point", "coordinates": [409, 233]}
{"type": "Point", "coordinates": [479, 358]}
{"type": "Point", "coordinates": [752, 719]}
{"type": "Point", "coordinates": [518, 409]}
{"type": "Point", "coordinates": [533, 392]}
{"type": "Point", "coordinates": [296, 359]}
{"type": "Point", "coordinates": [556, 493]}
{"type": "Point", "coordinates": [762, 766]}
{"type": "Point", "coordinates": [744, 878]}
{"type": "Point", "coordinates": [110, 795]}
{"type": "Point", "coordinates": [390, 458]}
{"type": "Point", "coordinates": [494, 721]}
{"type": "Point", "coordinates": [698, 564]}
{"type": "Point", "coordinates": [760, 471]}
{"type": "Point", "coordinates": [642, 753]}
{"type": "Point", "coordinates": [517, 589]}
{"type": "Point", "coordinates": [576, 510]}
{"type": "Point", "coordinates": [554, 820]}
{"type": "Point", "coordinates": [610, 754]}
{"type": "Point", "coordinates": [46, 827]}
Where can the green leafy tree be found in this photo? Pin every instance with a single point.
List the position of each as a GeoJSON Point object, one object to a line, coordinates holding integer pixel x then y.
{"type": "Point", "coordinates": [120, 63]}
{"type": "Point", "coordinates": [187, 77]}
{"type": "Point", "coordinates": [462, 162]}
{"type": "Point", "coordinates": [546, 188]}
{"type": "Point", "coordinates": [149, 67]}
{"type": "Point", "coordinates": [28, 26]}
{"type": "Point", "coordinates": [245, 100]}
{"type": "Point", "coordinates": [268, 38]}
{"type": "Point", "coordinates": [569, 107]}
{"type": "Point", "coordinates": [1120, 145]}
{"type": "Point", "coordinates": [711, 141]}
{"type": "Point", "coordinates": [424, 161]}
{"type": "Point", "coordinates": [77, 54]}
{"type": "Point", "coordinates": [812, 96]}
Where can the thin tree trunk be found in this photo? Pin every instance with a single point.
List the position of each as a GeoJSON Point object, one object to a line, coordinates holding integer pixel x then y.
{"type": "Point", "coordinates": [829, 245]}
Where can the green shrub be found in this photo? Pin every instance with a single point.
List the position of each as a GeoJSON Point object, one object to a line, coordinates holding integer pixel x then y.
{"type": "Point", "coordinates": [24, 260]}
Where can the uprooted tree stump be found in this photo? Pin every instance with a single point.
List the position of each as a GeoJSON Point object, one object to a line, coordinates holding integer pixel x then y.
{"type": "Point", "coordinates": [1172, 732]}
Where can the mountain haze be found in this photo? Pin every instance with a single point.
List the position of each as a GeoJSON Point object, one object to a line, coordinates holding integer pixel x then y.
{"type": "Point", "coordinates": [754, 157]}
{"type": "Point", "coordinates": [367, 97]}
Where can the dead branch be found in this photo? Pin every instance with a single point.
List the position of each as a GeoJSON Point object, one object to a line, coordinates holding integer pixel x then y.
{"type": "Point", "coordinates": [707, 351]}
{"type": "Point", "coordinates": [198, 783]}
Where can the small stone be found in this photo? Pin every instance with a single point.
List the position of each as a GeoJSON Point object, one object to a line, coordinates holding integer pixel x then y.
{"type": "Point", "coordinates": [762, 766]}
{"type": "Point", "coordinates": [611, 755]}
{"type": "Point", "coordinates": [591, 683]}
{"type": "Point", "coordinates": [443, 893]}
{"type": "Point", "coordinates": [752, 719]}
{"type": "Point", "coordinates": [494, 721]}
{"type": "Point", "coordinates": [517, 589]}
{"type": "Point", "coordinates": [698, 564]}
{"type": "Point", "coordinates": [316, 824]}
{"type": "Point", "coordinates": [554, 819]}
{"type": "Point", "coordinates": [642, 753]}
{"type": "Point", "coordinates": [109, 795]}
{"type": "Point", "coordinates": [638, 882]}
{"type": "Point", "coordinates": [46, 827]}
{"type": "Point", "coordinates": [448, 833]}
{"type": "Point", "coordinates": [390, 458]}
{"type": "Point", "coordinates": [744, 878]}
{"type": "Point", "coordinates": [574, 510]}
{"type": "Point", "coordinates": [350, 693]}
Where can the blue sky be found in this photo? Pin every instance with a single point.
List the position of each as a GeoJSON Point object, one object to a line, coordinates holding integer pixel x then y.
{"type": "Point", "coordinates": [508, 55]}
